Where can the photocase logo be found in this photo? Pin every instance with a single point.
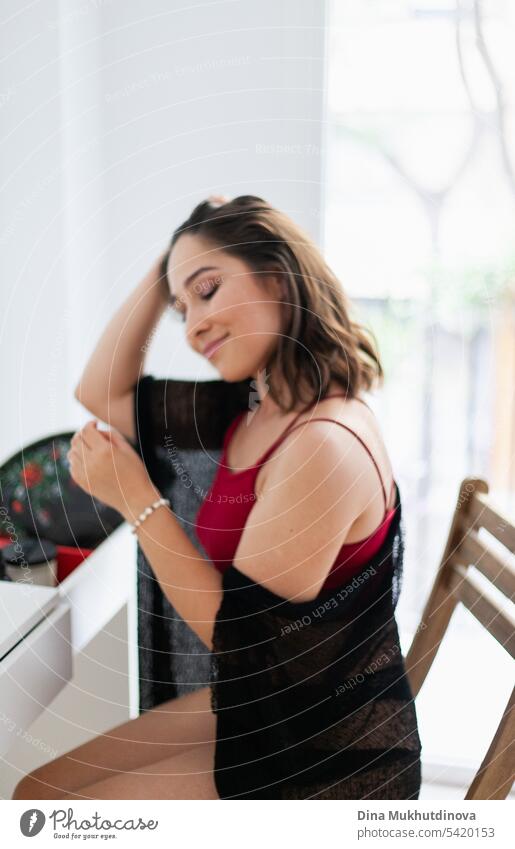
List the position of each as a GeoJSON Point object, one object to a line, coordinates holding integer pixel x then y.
{"type": "Point", "coordinates": [31, 822]}
{"type": "Point", "coordinates": [254, 395]}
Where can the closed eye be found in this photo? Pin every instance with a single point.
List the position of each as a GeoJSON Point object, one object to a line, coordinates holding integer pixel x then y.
{"type": "Point", "coordinates": [181, 314]}
{"type": "Point", "coordinates": [209, 294]}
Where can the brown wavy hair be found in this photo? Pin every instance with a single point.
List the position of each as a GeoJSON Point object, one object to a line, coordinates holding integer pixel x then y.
{"type": "Point", "coordinates": [319, 341]}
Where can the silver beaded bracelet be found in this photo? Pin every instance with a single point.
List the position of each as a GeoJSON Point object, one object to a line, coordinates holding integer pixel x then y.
{"type": "Point", "coordinates": [147, 511]}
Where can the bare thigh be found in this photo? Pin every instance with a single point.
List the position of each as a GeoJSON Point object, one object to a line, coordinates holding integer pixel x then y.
{"type": "Point", "coordinates": [189, 775]}
{"type": "Point", "coordinates": [165, 731]}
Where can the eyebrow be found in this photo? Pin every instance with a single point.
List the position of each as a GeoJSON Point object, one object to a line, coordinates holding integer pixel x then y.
{"type": "Point", "coordinates": [189, 280]}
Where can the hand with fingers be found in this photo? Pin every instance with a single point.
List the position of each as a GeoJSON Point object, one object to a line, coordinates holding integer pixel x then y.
{"type": "Point", "coordinates": [218, 199]}
{"type": "Point", "coordinates": [106, 466]}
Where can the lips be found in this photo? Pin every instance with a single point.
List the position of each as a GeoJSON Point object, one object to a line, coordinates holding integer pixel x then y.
{"type": "Point", "coordinates": [213, 346]}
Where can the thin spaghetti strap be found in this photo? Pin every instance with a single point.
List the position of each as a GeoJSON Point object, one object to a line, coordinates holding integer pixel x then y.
{"type": "Point", "coordinates": [323, 419]}
{"type": "Point", "coordinates": [300, 413]}
{"type": "Point", "coordinates": [308, 407]}
{"type": "Point", "coordinates": [392, 489]}
{"type": "Point", "coordinates": [232, 427]}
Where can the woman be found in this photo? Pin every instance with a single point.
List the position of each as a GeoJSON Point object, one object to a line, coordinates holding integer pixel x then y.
{"type": "Point", "coordinates": [302, 533]}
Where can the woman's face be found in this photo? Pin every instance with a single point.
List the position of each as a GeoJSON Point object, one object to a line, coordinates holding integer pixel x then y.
{"type": "Point", "coordinates": [220, 297]}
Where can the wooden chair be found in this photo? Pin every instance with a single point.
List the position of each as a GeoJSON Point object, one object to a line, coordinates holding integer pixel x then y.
{"type": "Point", "coordinates": [455, 582]}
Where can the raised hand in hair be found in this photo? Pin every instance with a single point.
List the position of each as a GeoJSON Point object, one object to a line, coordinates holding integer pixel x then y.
{"type": "Point", "coordinates": [220, 199]}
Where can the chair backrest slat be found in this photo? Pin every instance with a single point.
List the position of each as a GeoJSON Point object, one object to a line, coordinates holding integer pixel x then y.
{"type": "Point", "coordinates": [473, 551]}
{"type": "Point", "coordinates": [484, 515]}
{"type": "Point", "coordinates": [441, 603]}
{"type": "Point", "coordinates": [458, 582]}
{"type": "Point", "coordinates": [498, 622]}
{"type": "Point", "coordinates": [494, 778]}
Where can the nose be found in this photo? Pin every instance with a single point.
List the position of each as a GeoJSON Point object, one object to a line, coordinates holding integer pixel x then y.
{"type": "Point", "coordinates": [198, 328]}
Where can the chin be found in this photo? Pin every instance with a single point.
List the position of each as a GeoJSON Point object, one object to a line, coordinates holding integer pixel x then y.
{"type": "Point", "coordinates": [233, 368]}
{"type": "Point", "coordinates": [233, 374]}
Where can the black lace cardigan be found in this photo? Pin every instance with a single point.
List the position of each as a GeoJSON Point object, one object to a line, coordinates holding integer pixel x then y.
{"type": "Point", "coordinates": [311, 699]}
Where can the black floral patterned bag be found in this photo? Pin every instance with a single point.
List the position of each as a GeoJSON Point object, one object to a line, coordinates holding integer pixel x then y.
{"type": "Point", "coordinates": [40, 499]}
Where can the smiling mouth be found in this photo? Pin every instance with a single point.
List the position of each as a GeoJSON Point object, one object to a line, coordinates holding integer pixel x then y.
{"type": "Point", "coordinates": [210, 350]}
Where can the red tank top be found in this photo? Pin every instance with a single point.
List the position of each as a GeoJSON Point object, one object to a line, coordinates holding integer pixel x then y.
{"type": "Point", "coordinates": [220, 521]}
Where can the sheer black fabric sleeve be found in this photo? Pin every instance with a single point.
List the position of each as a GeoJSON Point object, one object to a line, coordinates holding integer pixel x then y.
{"type": "Point", "coordinates": [192, 416]}
{"type": "Point", "coordinates": [186, 414]}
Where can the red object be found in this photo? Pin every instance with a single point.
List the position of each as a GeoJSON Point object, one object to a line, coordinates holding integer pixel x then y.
{"type": "Point", "coordinates": [31, 474]}
{"type": "Point", "coordinates": [222, 515]}
{"type": "Point", "coordinates": [68, 557]}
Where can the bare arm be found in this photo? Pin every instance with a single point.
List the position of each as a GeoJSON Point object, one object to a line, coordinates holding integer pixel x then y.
{"type": "Point", "coordinates": [192, 584]}
{"type": "Point", "coordinates": [316, 488]}
{"type": "Point", "coordinates": [106, 385]}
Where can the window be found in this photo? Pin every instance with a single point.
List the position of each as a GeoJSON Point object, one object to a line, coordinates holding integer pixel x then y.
{"type": "Point", "coordinates": [420, 229]}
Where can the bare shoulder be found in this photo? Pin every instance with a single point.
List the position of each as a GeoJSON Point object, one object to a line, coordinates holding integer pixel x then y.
{"type": "Point", "coordinates": [325, 438]}
{"type": "Point", "coordinates": [320, 487]}
{"type": "Point", "coordinates": [301, 518]}
{"type": "Point", "coordinates": [340, 444]}
{"type": "Point", "coordinates": [315, 453]}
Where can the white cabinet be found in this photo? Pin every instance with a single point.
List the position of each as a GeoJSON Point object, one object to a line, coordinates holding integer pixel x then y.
{"type": "Point", "coordinates": [101, 585]}
{"type": "Point", "coordinates": [42, 628]}
{"type": "Point", "coordinates": [33, 672]}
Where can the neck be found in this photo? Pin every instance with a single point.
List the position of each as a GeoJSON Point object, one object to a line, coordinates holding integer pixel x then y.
{"type": "Point", "coordinates": [268, 407]}
{"type": "Point", "coordinates": [261, 385]}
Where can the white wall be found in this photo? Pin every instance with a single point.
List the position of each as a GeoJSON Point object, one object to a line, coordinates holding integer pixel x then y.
{"type": "Point", "coordinates": [33, 295]}
{"type": "Point", "coordinates": [118, 118]}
